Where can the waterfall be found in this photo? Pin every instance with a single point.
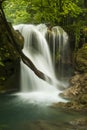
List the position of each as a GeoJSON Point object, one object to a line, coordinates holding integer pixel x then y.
{"type": "Point", "coordinates": [36, 48]}
{"type": "Point", "coordinates": [59, 44]}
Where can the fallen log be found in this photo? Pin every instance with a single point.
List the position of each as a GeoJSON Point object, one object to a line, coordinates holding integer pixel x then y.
{"type": "Point", "coordinates": [14, 43]}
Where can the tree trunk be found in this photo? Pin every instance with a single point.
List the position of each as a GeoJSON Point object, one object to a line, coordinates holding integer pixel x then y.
{"type": "Point", "coordinates": [14, 43]}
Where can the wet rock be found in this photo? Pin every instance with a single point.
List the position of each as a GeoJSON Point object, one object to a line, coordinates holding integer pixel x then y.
{"type": "Point", "coordinates": [79, 121]}
{"type": "Point", "coordinates": [78, 86]}
{"type": "Point", "coordinates": [76, 93]}
{"type": "Point", "coordinates": [70, 106]}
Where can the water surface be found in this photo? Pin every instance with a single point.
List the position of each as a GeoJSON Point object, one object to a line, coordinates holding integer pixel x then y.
{"type": "Point", "coordinates": [17, 113]}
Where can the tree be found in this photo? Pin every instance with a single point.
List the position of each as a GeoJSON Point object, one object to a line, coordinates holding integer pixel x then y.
{"type": "Point", "coordinates": [55, 11]}
{"type": "Point", "coordinates": [58, 12]}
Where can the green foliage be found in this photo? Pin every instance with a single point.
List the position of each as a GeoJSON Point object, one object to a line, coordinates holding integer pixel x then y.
{"type": "Point", "coordinates": [1, 63]}
{"type": "Point", "coordinates": [2, 78]}
{"type": "Point", "coordinates": [50, 11]}
{"type": "Point", "coordinates": [37, 11]}
{"type": "Point", "coordinates": [77, 33]}
{"type": "Point", "coordinates": [57, 12]}
{"type": "Point", "coordinates": [15, 11]}
{"type": "Point", "coordinates": [71, 9]}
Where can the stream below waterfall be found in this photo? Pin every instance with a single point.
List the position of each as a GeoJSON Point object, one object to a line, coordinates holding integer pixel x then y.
{"type": "Point", "coordinates": [17, 113]}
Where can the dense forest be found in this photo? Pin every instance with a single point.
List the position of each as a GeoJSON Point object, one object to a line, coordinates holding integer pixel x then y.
{"type": "Point", "coordinates": [66, 13]}
{"type": "Point", "coordinates": [59, 12]}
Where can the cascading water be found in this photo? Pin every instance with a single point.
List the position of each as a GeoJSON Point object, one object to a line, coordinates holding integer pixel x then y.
{"type": "Point", "coordinates": [61, 40]}
{"type": "Point", "coordinates": [36, 48]}
{"type": "Point", "coordinates": [59, 45]}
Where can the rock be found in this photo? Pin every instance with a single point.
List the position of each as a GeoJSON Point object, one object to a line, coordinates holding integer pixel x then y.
{"type": "Point", "coordinates": [80, 121]}
{"type": "Point", "coordinates": [78, 86]}
{"type": "Point", "coordinates": [83, 99]}
{"type": "Point", "coordinates": [76, 94]}
{"type": "Point", "coordinates": [71, 105]}
{"type": "Point", "coordinates": [80, 59]}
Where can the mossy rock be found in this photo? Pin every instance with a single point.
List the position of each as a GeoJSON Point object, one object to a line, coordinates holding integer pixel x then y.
{"type": "Point", "coordinates": [80, 59]}
{"type": "Point", "coordinates": [72, 105]}
{"type": "Point", "coordinates": [83, 99]}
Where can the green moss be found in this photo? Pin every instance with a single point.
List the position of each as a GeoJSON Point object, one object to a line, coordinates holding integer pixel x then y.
{"type": "Point", "coordinates": [57, 57]}
{"type": "Point", "coordinates": [2, 78]}
{"type": "Point", "coordinates": [1, 64]}
{"type": "Point", "coordinates": [81, 59]}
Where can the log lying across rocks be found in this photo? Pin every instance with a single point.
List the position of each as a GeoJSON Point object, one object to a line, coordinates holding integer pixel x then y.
{"type": "Point", "coordinates": [14, 43]}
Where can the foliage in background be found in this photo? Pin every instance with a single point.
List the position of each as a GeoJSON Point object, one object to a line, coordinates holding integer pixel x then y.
{"type": "Point", "coordinates": [56, 12]}
{"type": "Point", "coordinates": [15, 11]}
{"type": "Point", "coordinates": [37, 11]}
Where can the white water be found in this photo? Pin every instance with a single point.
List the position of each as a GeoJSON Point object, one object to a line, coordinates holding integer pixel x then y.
{"type": "Point", "coordinates": [36, 48]}
{"type": "Point", "coordinates": [60, 41]}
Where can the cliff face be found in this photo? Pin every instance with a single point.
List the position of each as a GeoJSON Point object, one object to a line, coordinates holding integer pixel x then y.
{"type": "Point", "coordinates": [9, 59]}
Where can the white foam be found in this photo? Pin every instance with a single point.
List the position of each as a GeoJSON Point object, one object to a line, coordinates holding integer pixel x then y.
{"type": "Point", "coordinates": [40, 98]}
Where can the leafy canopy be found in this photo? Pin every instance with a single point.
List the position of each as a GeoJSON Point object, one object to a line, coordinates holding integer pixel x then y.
{"type": "Point", "coordinates": [37, 11]}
